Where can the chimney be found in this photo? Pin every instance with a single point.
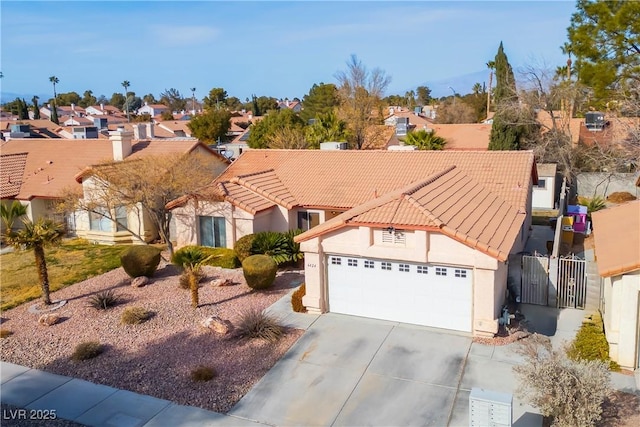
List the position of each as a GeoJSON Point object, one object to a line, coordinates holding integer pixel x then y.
{"type": "Point", "coordinates": [139, 131]}
{"type": "Point", "coordinates": [73, 106]}
{"type": "Point", "coordinates": [101, 106]}
{"type": "Point", "coordinates": [121, 141]}
{"type": "Point", "coordinates": [150, 133]}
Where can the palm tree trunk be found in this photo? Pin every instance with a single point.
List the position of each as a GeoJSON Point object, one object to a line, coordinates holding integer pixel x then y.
{"type": "Point", "coordinates": [489, 92]}
{"type": "Point", "coordinates": [41, 265]}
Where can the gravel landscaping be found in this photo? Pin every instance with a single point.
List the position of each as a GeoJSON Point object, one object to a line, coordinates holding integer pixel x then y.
{"type": "Point", "coordinates": [155, 357]}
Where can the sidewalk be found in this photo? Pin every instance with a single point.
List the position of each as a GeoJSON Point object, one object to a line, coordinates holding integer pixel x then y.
{"type": "Point", "coordinates": [99, 405]}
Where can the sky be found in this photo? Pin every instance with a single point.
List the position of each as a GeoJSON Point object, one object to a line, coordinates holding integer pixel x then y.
{"type": "Point", "coordinates": [268, 48]}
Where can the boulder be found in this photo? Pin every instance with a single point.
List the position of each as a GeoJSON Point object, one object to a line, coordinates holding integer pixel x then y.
{"type": "Point", "coordinates": [48, 319]}
{"type": "Point", "coordinates": [217, 325]}
{"type": "Point", "coordinates": [221, 282]}
{"type": "Point", "coordinates": [138, 282]}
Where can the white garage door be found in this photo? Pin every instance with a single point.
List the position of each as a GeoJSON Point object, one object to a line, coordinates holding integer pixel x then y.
{"type": "Point", "coordinates": [422, 294]}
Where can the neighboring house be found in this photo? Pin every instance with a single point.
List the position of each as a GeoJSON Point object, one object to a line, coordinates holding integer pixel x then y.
{"type": "Point", "coordinates": [544, 191]}
{"type": "Point", "coordinates": [152, 109]}
{"type": "Point", "coordinates": [420, 237]}
{"type": "Point", "coordinates": [617, 248]}
{"type": "Point", "coordinates": [102, 110]}
{"type": "Point", "coordinates": [41, 128]}
{"type": "Point", "coordinates": [76, 121]}
{"type": "Point", "coordinates": [464, 136]}
{"type": "Point", "coordinates": [178, 128]}
{"type": "Point", "coordinates": [295, 106]}
{"type": "Point", "coordinates": [52, 166]}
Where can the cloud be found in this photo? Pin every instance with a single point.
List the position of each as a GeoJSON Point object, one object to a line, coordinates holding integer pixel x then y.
{"type": "Point", "coordinates": [185, 35]}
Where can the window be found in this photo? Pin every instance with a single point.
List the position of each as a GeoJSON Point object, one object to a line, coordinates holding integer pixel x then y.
{"type": "Point", "coordinates": [213, 231]}
{"type": "Point", "coordinates": [121, 218]}
{"type": "Point", "coordinates": [369, 264]}
{"type": "Point", "coordinates": [352, 262]}
{"type": "Point", "coordinates": [423, 269]}
{"type": "Point", "coordinates": [460, 273]}
{"type": "Point", "coordinates": [336, 261]}
{"type": "Point", "coordinates": [394, 237]}
{"type": "Point", "coordinates": [441, 271]}
{"type": "Point", "coordinates": [99, 220]}
{"type": "Point", "coordinates": [308, 220]}
{"type": "Point", "coordinates": [403, 267]}
{"type": "Point", "coordinates": [542, 183]}
{"type": "Point", "coordinates": [385, 265]}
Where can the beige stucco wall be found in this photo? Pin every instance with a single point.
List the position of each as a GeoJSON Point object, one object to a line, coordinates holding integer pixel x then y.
{"type": "Point", "coordinates": [489, 275]}
{"type": "Point", "coordinates": [621, 318]}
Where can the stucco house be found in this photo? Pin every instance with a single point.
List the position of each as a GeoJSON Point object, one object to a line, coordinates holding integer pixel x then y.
{"type": "Point", "coordinates": [36, 172]}
{"type": "Point", "coordinates": [420, 237]}
{"type": "Point", "coordinates": [152, 109]}
{"type": "Point", "coordinates": [544, 191]}
{"type": "Point", "coordinates": [617, 247]}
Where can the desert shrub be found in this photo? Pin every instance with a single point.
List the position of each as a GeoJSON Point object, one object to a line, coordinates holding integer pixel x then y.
{"type": "Point", "coordinates": [296, 299]}
{"type": "Point", "coordinates": [591, 343]}
{"type": "Point", "coordinates": [255, 323]}
{"type": "Point", "coordinates": [273, 244]}
{"type": "Point", "coordinates": [203, 373]}
{"type": "Point", "coordinates": [140, 260]}
{"type": "Point", "coordinates": [293, 249]}
{"type": "Point", "coordinates": [570, 392]}
{"type": "Point", "coordinates": [134, 315]}
{"type": "Point", "coordinates": [259, 271]}
{"type": "Point", "coordinates": [4, 333]}
{"type": "Point", "coordinates": [189, 255]}
{"type": "Point", "coordinates": [620, 197]}
{"type": "Point", "coordinates": [87, 350]}
{"type": "Point", "coordinates": [593, 205]}
{"type": "Point", "coordinates": [104, 300]}
{"type": "Point", "coordinates": [243, 246]}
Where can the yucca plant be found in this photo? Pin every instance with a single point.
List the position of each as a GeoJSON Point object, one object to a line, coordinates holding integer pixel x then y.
{"type": "Point", "coordinates": [104, 300]}
{"type": "Point", "coordinates": [191, 259]}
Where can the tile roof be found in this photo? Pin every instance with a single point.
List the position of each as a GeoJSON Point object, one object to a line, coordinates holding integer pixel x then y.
{"type": "Point", "coordinates": [450, 202]}
{"type": "Point", "coordinates": [617, 239]}
{"type": "Point", "coordinates": [11, 174]}
{"type": "Point", "coordinates": [465, 136]}
{"type": "Point", "coordinates": [52, 165]}
{"type": "Point", "coordinates": [344, 179]}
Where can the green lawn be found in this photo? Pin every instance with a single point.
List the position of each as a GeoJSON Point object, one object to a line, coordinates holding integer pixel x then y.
{"type": "Point", "coordinates": [72, 262]}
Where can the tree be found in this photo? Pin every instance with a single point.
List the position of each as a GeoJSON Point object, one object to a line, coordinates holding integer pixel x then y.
{"type": "Point", "coordinates": [87, 99]}
{"type": "Point", "coordinates": [67, 99]}
{"type": "Point", "coordinates": [507, 131]}
{"type": "Point", "coordinates": [23, 110]}
{"type": "Point", "coordinates": [234, 103]}
{"type": "Point", "coordinates": [266, 104]}
{"type": "Point", "coordinates": [143, 185]}
{"type": "Point", "coordinates": [360, 92]}
{"type": "Point", "coordinates": [424, 140]}
{"type": "Point", "coordinates": [604, 36]}
{"type": "Point", "coordinates": [455, 112]}
{"type": "Point", "coordinates": [505, 80]}
{"type": "Point", "coordinates": [570, 392]}
{"type": "Point", "coordinates": [54, 114]}
{"type": "Point", "coordinates": [321, 99]}
{"type": "Point", "coordinates": [424, 95]}
{"type": "Point", "coordinates": [37, 235]}
{"type": "Point", "coordinates": [491, 65]}
{"type": "Point", "coordinates": [211, 126]}
{"type": "Point", "coordinates": [262, 131]}
{"type": "Point", "coordinates": [117, 100]}
{"type": "Point", "coordinates": [173, 99]}
{"type": "Point", "coordinates": [36, 107]}
{"type": "Point", "coordinates": [289, 137]}
{"type": "Point", "coordinates": [166, 115]}
{"type": "Point", "coordinates": [125, 84]}
{"type": "Point", "coordinates": [149, 99]}
{"type": "Point", "coordinates": [217, 97]}
{"type": "Point", "coordinates": [410, 97]}
{"type": "Point", "coordinates": [9, 214]}
{"type": "Point", "coordinates": [326, 127]}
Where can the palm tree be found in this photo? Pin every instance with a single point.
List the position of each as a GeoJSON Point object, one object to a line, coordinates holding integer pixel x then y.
{"type": "Point", "coordinates": [477, 88]}
{"type": "Point", "coordinates": [37, 235]}
{"type": "Point", "coordinates": [424, 140]}
{"type": "Point", "coordinates": [54, 113]}
{"type": "Point", "coordinates": [126, 85]}
{"type": "Point", "coordinates": [193, 99]}
{"type": "Point", "coordinates": [9, 213]}
{"type": "Point", "coordinates": [491, 65]}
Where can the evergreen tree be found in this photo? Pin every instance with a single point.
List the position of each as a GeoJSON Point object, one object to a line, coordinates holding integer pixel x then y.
{"type": "Point", "coordinates": [54, 114]}
{"type": "Point", "coordinates": [36, 108]}
{"type": "Point", "coordinates": [254, 106]}
{"type": "Point", "coordinates": [23, 111]}
{"type": "Point", "coordinates": [506, 132]}
{"type": "Point", "coordinates": [505, 81]}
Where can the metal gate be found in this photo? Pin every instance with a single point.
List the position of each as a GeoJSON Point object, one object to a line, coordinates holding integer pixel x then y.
{"type": "Point", "coordinates": [535, 280]}
{"type": "Point", "coordinates": [572, 282]}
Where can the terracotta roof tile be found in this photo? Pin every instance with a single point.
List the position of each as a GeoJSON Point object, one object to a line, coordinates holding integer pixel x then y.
{"type": "Point", "coordinates": [11, 173]}
{"type": "Point", "coordinates": [268, 185]}
{"type": "Point", "coordinates": [450, 202]}
{"type": "Point", "coordinates": [617, 239]}
{"type": "Point", "coordinates": [466, 136]}
{"type": "Point", "coordinates": [245, 198]}
{"type": "Point", "coordinates": [344, 179]}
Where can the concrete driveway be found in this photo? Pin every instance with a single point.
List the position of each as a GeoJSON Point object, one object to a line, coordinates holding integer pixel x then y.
{"type": "Point", "coordinates": [348, 371]}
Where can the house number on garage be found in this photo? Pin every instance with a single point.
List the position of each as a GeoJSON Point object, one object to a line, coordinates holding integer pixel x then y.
{"type": "Point", "coordinates": [310, 265]}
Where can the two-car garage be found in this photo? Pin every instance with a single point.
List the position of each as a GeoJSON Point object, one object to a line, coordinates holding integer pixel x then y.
{"type": "Point", "coordinates": [423, 294]}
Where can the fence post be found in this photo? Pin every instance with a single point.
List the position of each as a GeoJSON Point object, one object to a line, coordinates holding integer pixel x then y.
{"type": "Point", "coordinates": [553, 282]}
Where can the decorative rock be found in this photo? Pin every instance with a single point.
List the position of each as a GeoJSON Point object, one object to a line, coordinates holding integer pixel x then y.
{"type": "Point", "coordinates": [139, 282]}
{"type": "Point", "coordinates": [221, 282]}
{"type": "Point", "coordinates": [217, 325]}
{"type": "Point", "coordinates": [49, 319]}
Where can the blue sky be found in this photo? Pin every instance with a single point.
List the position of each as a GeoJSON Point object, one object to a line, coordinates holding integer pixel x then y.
{"type": "Point", "coordinates": [271, 48]}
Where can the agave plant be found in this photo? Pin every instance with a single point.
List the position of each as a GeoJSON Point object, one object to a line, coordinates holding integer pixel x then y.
{"type": "Point", "coordinates": [272, 243]}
